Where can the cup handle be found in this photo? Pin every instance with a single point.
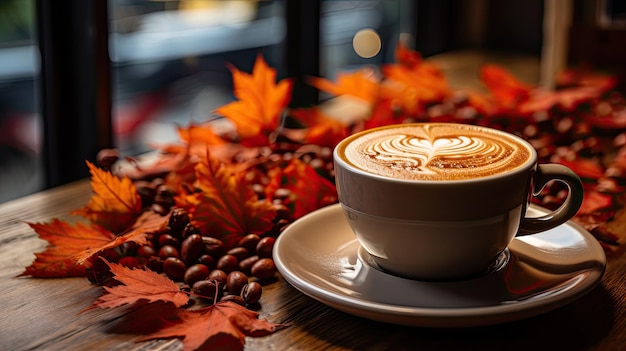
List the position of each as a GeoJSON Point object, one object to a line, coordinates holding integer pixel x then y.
{"type": "Point", "coordinates": [567, 210]}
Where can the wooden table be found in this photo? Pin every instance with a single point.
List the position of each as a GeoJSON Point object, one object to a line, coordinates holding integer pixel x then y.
{"type": "Point", "coordinates": [42, 314]}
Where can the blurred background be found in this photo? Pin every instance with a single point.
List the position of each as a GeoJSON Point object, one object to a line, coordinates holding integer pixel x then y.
{"type": "Point", "coordinates": [136, 68]}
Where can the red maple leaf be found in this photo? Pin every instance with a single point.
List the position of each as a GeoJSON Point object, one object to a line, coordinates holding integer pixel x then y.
{"type": "Point", "coordinates": [382, 114]}
{"type": "Point", "coordinates": [225, 207]}
{"type": "Point", "coordinates": [138, 285]}
{"type": "Point", "coordinates": [115, 203]}
{"type": "Point", "coordinates": [222, 326]}
{"type": "Point", "coordinates": [584, 168]}
{"type": "Point", "coordinates": [309, 190]}
{"type": "Point", "coordinates": [595, 201]}
{"type": "Point", "coordinates": [65, 241]}
{"type": "Point", "coordinates": [257, 113]}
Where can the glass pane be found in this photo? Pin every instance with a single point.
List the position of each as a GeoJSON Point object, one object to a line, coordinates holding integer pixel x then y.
{"type": "Point", "coordinates": [21, 168]}
{"type": "Point", "coordinates": [356, 33]}
{"type": "Point", "coordinates": [170, 60]}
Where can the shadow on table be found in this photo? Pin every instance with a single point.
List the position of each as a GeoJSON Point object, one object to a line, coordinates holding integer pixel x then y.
{"type": "Point", "coordinates": [577, 326]}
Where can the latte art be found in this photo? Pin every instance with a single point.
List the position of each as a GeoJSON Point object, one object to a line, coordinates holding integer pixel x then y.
{"type": "Point", "coordinates": [436, 151]}
{"type": "Point", "coordinates": [423, 155]}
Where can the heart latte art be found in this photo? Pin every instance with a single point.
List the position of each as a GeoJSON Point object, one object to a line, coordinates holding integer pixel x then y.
{"type": "Point", "coordinates": [435, 152]}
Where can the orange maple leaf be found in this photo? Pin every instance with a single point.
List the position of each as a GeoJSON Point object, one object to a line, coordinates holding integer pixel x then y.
{"type": "Point", "coordinates": [257, 114]}
{"type": "Point", "coordinates": [406, 56]}
{"type": "Point", "coordinates": [226, 206]}
{"type": "Point", "coordinates": [321, 129]}
{"type": "Point", "coordinates": [139, 284]}
{"type": "Point", "coordinates": [309, 190]}
{"type": "Point", "coordinates": [361, 83]}
{"type": "Point", "coordinates": [65, 241]}
{"type": "Point", "coordinates": [507, 90]}
{"type": "Point", "coordinates": [203, 134]}
{"type": "Point", "coordinates": [115, 203]}
{"type": "Point", "coordinates": [222, 326]}
{"type": "Point", "coordinates": [413, 83]}
{"type": "Point", "coordinates": [138, 236]}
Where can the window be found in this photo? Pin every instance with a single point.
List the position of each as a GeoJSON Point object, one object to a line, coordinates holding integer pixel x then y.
{"type": "Point", "coordinates": [20, 120]}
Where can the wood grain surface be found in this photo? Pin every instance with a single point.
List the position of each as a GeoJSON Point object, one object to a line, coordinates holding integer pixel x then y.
{"type": "Point", "coordinates": [43, 314]}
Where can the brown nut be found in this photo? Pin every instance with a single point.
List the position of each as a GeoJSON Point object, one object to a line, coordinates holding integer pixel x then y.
{"type": "Point", "coordinates": [191, 248]}
{"type": "Point", "coordinates": [235, 281]}
{"type": "Point", "coordinates": [208, 289]}
{"type": "Point", "coordinates": [195, 273]}
{"type": "Point", "coordinates": [264, 268]}
{"type": "Point", "coordinates": [251, 292]}
{"type": "Point", "coordinates": [265, 246]}
{"type": "Point", "coordinates": [174, 268]}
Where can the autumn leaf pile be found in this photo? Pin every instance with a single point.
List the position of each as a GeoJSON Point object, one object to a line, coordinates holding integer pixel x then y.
{"type": "Point", "coordinates": [257, 160]}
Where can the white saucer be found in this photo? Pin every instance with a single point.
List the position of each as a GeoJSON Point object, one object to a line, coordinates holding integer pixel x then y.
{"type": "Point", "coordinates": [319, 255]}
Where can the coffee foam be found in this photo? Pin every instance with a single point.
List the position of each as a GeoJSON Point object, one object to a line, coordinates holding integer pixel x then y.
{"type": "Point", "coordinates": [435, 152]}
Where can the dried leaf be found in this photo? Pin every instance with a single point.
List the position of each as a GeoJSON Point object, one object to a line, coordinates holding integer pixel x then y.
{"type": "Point", "coordinates": [65, 242]}
{"type": "Point", "coordinates": [413, 83]}
{"type": "Point", "coordinates": [138, 285]}
{"type": "Point", "coordinates": [584, 168]}
{"type": "Point", "coordinates": [407, 57]}
{"type": "Point", "coordinates": [226, 206]}
{"type": "Point", "coordinates": [362, 84]}
{"type": "Point", "coordinates": [309, 191]}
{"type": "Point", "coordinates": [200, 134]}
{"type": "Point", "coordinates": [322, 130]}
{"type": "Point", "coordinates": [222, 326]}
{"type": "Point", "coordinates": [115, 203]}
{"type": "Point", "coordinates": [383, 114]}
{"type": "Point", "coordinates": [257, 113]}
{"type": "Point", "coordinates": [507, 90]}
{"type": "Point", "coordinates": [595, 201]}
{"type": "Point", "coordinates": [138, 236]}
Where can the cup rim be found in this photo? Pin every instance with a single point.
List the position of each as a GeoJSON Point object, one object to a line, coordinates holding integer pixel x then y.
{"type": "Point", "coordinates": [530, 163]}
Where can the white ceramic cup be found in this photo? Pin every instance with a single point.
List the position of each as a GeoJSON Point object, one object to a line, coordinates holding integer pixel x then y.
{"type": "Point", "coordinates": [444, 227]}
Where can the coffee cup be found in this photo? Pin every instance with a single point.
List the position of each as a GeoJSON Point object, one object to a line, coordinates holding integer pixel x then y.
{"type": "Point", "coordinates": [442, 201]}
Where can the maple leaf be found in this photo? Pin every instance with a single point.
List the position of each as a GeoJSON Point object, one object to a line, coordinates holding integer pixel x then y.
{"type": "Point", "coordinates": [65, 241]}
{"type": "Point", "coordinates": [595, 201]}
{"type": "Point", "coordinates": [309, 191]}
{"type": "Point", "coordinates": [507, 90]}
{"type": "Point", "coordinates": [115, 203]}
{"type": "Point", "coordinates": [257, 113]}
{"type": "Point", "coordinates": [226, 206]}
{"type": "Point", "coordinates": [222, 326]}
{"type": "Point", "coordinates": [169, 158]}
{"type": "Point", "coordinates": [584, 168]}
{"type": "Point", "coordinates": [382, 114]}
{"type": "Point", "coordinates": [203, 134]}
{"type": "Point", "coordinates": [138, 236]}
{"type": "Point", "coordinates": [139, 284]}
{"type": "Point", "coordinates": [406, 56]}
{"type": "Point", "coordinates": [414, 83]}
{"type": "Point", "coordinates": [361, 83]}
{"type": "Point", "coordinates": [321, 129]}
{"type": "Point", "coordinates": [585, 77]}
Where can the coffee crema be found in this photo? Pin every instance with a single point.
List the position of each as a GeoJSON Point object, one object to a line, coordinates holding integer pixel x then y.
{"type": "Point", "coordinates": [434, 151]}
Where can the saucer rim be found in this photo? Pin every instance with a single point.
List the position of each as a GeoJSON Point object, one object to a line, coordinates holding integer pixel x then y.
{"type": "Point", "coordinates": [442, 317]}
